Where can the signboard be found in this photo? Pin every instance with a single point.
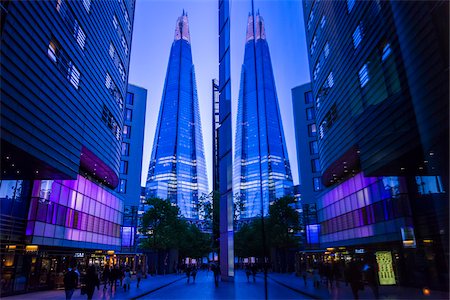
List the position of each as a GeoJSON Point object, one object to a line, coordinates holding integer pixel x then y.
{"type": "Point", "coordinates": [79, 255]}
{"type": "Point", "coordinates": [360, 251]}
{"type": "Point", "coordinates": [386, 273]}
{"type": "Point", "coordinates": [408, 237]}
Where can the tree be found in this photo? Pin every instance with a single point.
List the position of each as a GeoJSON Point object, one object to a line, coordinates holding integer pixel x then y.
{"type": "Point", "coordinates": [194, 243]}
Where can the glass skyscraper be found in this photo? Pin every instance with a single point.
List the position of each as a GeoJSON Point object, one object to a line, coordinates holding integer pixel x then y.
{"type": "Point", "coordinates": [261, 171]}
{"type": "Point", "coordinates": [177, 168]}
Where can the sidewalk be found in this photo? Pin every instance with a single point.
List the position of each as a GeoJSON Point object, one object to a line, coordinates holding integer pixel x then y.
{"type": "Point", "coordinates": [344, 292]}
{"type": "Point", "coordinates": [147, 285]}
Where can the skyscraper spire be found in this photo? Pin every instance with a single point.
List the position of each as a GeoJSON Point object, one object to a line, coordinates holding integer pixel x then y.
{"type": "Point", "coordinates": [260, 30]}
{"type": "Point", "coordinates": [182, 28]}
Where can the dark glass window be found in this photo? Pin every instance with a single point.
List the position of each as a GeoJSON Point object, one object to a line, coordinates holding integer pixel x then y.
{"type": "Point", "coordinates": [308, 97]}
{"type": "Point", "coordinates": [316, 183]}
{"type": "Point", "coordinates": [124, 167]}
{"type": "Point", "coordinates": [312, 130]}
{"type": "Point", "coordinates": [315, 165]}
{"type": "Point", "coordinates": [126, 131]}
{"type": "Point", "coordinates": [128, 114]}
{"type": "Point", "coordinates": [130, 98]}
{"type": "Point", "coordinates": [310, 114]}
{"type": "Point", "coordinates": [123, 186]}
{"type": "Point", "coordinates": [125, 149]}
{"type": "Point", "coordinates": [313, 147]}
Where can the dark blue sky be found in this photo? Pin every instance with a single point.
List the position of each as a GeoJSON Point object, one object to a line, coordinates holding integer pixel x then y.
{"type": "Point", "coordinates": [154, 28]}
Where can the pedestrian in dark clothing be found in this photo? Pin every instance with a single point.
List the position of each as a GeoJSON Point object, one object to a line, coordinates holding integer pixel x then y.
{"type": "Point", "coordinates": [70, 282]}
{"type": "Point", "coordinates": [91, 281]}
{"type": "Point", "coordinates": [106, 276]}
{"type": "Point", "coordinates": [248, 272]}
{"type": "Point", "coordinates": [370, 273]}
{"type": "Point", "coordinates": [121, 274]}
{"type": "Point", "coordinates": [254, 271]}
{"type": "Point", "coordinates": [138, 275]}
{"type": "Point", "coordinates": [188, 273]}
{"type": "Point", "coordinates": [114, 276]}
{"type": "Point", "coordinates": [216, 271]}
{"type": "Point", "coordinates": [194, 273]}
{"type": "Point", "coordinates": [127, 280]}
{"type": "Point", "coordinates": [353, 276]}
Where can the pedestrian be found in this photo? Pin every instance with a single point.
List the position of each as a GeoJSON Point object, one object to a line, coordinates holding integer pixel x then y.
{"type": "Point", "coordinates": [70, 282]}
{"type": "Point", "coordinates": [370, 272]}
{"type": "Point", "coordinates": [188, 273]}
{"type": "Point", "coordinates": [254, 271]}
{"type": "Point", "coordinates": [138, 275]}
{"type": "Point", "coordinates": [353, 276]}
{"type": "Point", "coordinates": [248, 272]}
{"type": "Point", "coordinates": [91, 281]}
{"type": "Point", "coordinates": [216, 270]}
{"type": "Point", "coordinates": [194, 273]}
{"type": "Point", "coordinates": [127, 279]}
{"type": "Point", "coordinates": [316, 278]}
{"type": "Point", "coordinates": [305, 276]}
{"type": "Point", "coordinates": [121, 274]}
{"type": "Point", "coordinates": [114, 276]}
{"type": "Point", "coordinates": [106, 276]}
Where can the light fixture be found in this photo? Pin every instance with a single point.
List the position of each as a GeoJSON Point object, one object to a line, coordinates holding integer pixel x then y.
{"type": "Point", "coordinates": [12, 165]}
{"type": "Point", "coordinates": [7, 157]}
{"type": "Point", "coordinates": [431, 153]}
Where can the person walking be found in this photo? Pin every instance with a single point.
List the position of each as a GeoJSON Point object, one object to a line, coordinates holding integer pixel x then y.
{"type": "Point", "coordinates": [91, 281]}
{"type": "Point", "coordinates": [254, 271]}
{"type": "Point", "coordinates": [370, 272]}
{"type": "Point", "coordinates": [316, 278]}
{"type": "Point", "coordinates": [248, 272]}
{"type": "Point", "coordinates": [106, 276]}
{"type": "Point", "coordinates": [114, 276]}
{"type": "Point", "coordinates": [216, 270]}
{"type": "Point", "coordinates": [70, 282]}
{"type": "Point", "coordinates": [139, 275]}
{"type": "Point", "coordinates": [127, 279]}
{"type": "Point", "coordinates": [354, 277]}
{"type": "Point", "coordinates": [121, 274]}
{"type": "Point", "coordinates": [188, 273]}
{"type": "Point", "coordinates": [194, 273]}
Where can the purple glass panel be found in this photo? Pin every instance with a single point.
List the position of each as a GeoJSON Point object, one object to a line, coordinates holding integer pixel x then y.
{"type": "Point", "coordinates": [30, 228]}
{"type": "Point", "coordinates": [50, 208]}
{"type": "Point", "coordinates": [55, 194]}
{"type": "Point", "coordinates": [69, 218]}
{"type": "Point", "coordinates": [33, 209]}
{"type": "Point", "coordinates": [64, 196]}
{"type": "Point", "coordinates": [41, 212]}
{"type": "Point", "coordinates": [60, 218]}
{"type": "Point", "coordinates": [84, 221]}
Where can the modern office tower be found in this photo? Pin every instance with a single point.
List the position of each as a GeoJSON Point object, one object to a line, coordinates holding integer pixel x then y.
{"type": "Point", "coordinates": [224, 159]}
{"type": "Point", "coordinates": [131, 163]}
{"type": "Point", "coordinates": [63, 81]}
{"type": "Point", "coordinates": [261, 166]}
{"type": "Point", "coordinates": [308, 159]}
{"type": "Point", "coordinates": [177, 168]}
{"type": "Point", "coordinates": [379, 73]}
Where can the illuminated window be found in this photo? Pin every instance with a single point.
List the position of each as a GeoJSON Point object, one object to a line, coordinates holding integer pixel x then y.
{"type": "Point", "coordinates": [313, 45]}
{"type": "Point", "coordinates": [73, 75]}
{"type": "Point", "coordinates": [309, 97]}
{"type": "Point", "coordinates": [130, 98]}
{"type": "Point", "coordinates": [53, 50]}
{"type": "Point", "coordinates": [124, 167]}
{"type": "Point", "coordinates": [79, 35]}
{"type": "Point", "coordinates": [87, 5]}
{"type": "Point", "coordinates": [350, 5]}
{"type": "Point", "coordinates": [310, 19]}
{"type": "Point", "coordinates": [126, 131]}
{"type": "Point", "coordinates": [358, 35]}
{"type": "Point", "coordinates": [128, 114]}
{"type": "Point", "coordinates": [316, 183]}
{"type": "Point", "coordinates": [323, 21]}
{"type": "Point", "coordinates": [312, 130]}
{"type": "Point", "coordinates": [123, 186]}
{"type": "Point", "coordinates": [315, 165]}
{"type": "Point", "coordinates": [386, 52]}
{"type": "Point", "coordinates": [125, 149]}
{"type": "Point", "coordinates": [313, 147]}
{"type": "Point", "coordinates": [310, 114]}
{"type": "Point", "coordinates": [363, 76]}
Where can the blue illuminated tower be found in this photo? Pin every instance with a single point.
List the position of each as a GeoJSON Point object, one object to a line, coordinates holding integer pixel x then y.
{"type": "Point", "coordinates": [261, 166]}
{"type": "Point", "coordinates": [177, 168]}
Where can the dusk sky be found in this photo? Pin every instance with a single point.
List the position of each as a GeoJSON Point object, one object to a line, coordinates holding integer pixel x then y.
{"type": "Point", "coordinates": [154, 28]}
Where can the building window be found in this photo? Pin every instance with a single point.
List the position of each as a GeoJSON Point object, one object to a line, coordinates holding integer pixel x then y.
{"type": "Point", "coordinates": [313, 147]}
{"type": "Point", "coordinates": [330, 81]}
{"type": "Point", "coordinates": [315, 165]}
{"type": "Point", "coordinates": [358, 35]}
{"type": "Point", "coordinates": [123, 186]}
{"type": "Point", "coordinates": [363, 76]}
{"type": "Point", "coordinates": [53, 49]}
{"type": "Point", "coordinates": [326, 50]}
{"type": "Point", "coordinates": [328, 121]}
{"type": "Point", "coordinates": [125, 149]}
{"type": "Point", "coordinates": [310, 114]}
{"type": "Point", "coordinates": [310, 19]}
{"type": "Point", "coordinates": [124, 167]}
{"type": "Point", "coordinates": [73, 75]}
{"type": "Point", "coordinates": [125, 15]}
{"type": "Point", "coordinates": [316, 70]}
{"type": "Point", "coordinates": [79, 35]}
{"type": "Point", "coordinates": [309, 97]}
{"type": "Point", "coordinates": [128, 114]}
{"type": "Point", "coordinates": [386, 52]}
{"type": "Point", "coordinates": [350, 5]}
{"type": "Point", "coordinates": [323, 21]}
{"type": "Point", "coordinates": [130, 98]}
{"type": "Point", "coordinates": [316, 183]}
{"type": "Point", "coordinates": [87, 5]}
{"type": "Point", "coordinates": [111, 122]}
{"type": "Point", "coordinates": [312, 130]}
{"type": "Point", "coordinates": [113, 90]}
{"type": "Point", "coordinates": [126, 131]}
{"type": "Point", "coordinates": [313, 45]}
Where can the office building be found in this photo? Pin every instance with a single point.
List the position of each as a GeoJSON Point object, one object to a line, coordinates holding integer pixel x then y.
{"type": "Point", "coordinates": [131, 169]}
{"type": "Point", "coordinates": [177, 168]}
{"type": "Point", "coordinates": [379, 73]}
{"type": "Point", "coordinates": [64, 79]}
{"type": "Point", "coordinates": [261, 165]}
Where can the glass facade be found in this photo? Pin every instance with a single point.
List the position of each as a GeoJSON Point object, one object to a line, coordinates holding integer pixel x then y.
{"type": "Point", "coordinates": [177, 168]}
{"type": "Point", "coordinates": [77, 213]}
{"type": "Point", "coordinates": [262, 171]}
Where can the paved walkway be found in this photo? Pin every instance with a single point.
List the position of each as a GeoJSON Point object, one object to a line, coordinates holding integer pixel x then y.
{"type": "Point", "coordinates": [147, 285]}
{"type": "Point", "coordinates": [344, 292]}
